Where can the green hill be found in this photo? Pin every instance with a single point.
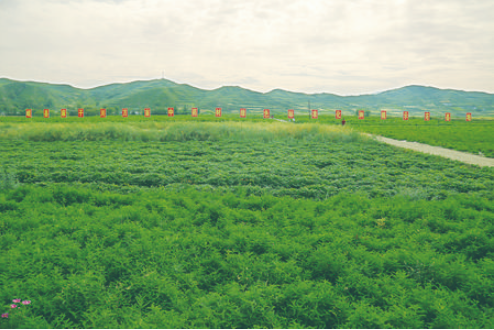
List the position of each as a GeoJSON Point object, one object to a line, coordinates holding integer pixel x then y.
{"type": "Point", "coordinates": [15, 96]}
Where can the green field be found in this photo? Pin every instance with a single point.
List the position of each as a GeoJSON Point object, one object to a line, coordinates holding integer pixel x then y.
{"type": "Point", "coordinates": [182, 224]}
{"type": "Point", "coordinates": [474, 137]}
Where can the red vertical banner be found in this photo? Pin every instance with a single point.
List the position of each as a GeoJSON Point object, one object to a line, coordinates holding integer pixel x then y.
{"type": "Point", "coordinates": [447, 116]}
{"type": "Point", "coordinates": [102, 113]}
{"type": "Point", "coordinates": [243, 113]}
{"type": "Point", "coordinates": [147, 112]}
{"type": "Point", "coordinates": [194, 112]}
{"type": "Point", "coordinates": [338, 114]}
{"type": "Point", "coordinates": [361, 114]}
{"type": "Point", "coordinates": [217, 112]}
{"type": "Point", "coordinates": [265, 114]}
{"type": "Point", "coordinates": [405, 115]}
{"type": "Point", "coordinates": [171, 112]}
{"type": "Point", "coordinates": [125, 112]}
{"type": "Point", "coordinates": [314, 114]}
{"type": "Point", "coordinates": [291, 114]}
{"type": "Point", "coordinates": [383, 114]}
{"type": "Point", "coordinates": [469, 116]}
{"type": "Point", "coordinates": [427, 116]}
{"type": "Point", "coordinates": [29, 113]}
{"type": "Point", "coordinates": [46, 113]}
{"type": "Point", "coordinates": [63, 113]}
{"type": "Point", "coordinates": [80, 113]}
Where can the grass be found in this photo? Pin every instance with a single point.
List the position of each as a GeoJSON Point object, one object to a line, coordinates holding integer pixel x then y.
{"type": "Point", "coordinates": [169, 131]}
{"type": "Point", "coordinates": [476, 137]}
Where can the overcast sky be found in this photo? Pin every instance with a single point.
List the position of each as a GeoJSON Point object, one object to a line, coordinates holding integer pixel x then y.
{"type": "Point", "coordinates": [346, 47]}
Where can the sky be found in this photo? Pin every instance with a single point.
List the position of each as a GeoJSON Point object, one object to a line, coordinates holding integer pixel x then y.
{"type": "Point", "coordinates": [345, 47]}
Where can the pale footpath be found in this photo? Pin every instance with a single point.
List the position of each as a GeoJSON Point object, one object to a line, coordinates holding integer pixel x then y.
{"type": "Point", "coordinates": [464, 157]}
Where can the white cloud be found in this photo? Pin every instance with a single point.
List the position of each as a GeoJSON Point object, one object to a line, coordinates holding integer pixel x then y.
{"type": "Point", "coordinates": [345, 47]}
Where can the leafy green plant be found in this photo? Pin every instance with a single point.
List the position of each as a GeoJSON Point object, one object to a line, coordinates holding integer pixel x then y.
{"type": "Point", "coordinates": [311, 229]}
{"type": "Point", "coordinates": [475, 137]}
{"type": "Point", "coordinates": [8, 179]}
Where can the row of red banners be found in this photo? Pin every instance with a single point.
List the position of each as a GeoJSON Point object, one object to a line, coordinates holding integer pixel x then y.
{"type": "Point", "coordinates": [427, 115]}
{"type": "Point", "coordinates": [243, 113]}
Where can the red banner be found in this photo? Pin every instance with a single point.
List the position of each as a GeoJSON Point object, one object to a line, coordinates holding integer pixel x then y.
{"type": "Point", "coordinates": [63, 113]}
{"type": "Point", "coordinates": [338, 114]}
{"type": "Point", "coordinates": [314, 114]}
{"type": "Point", "coordinates": [194, 112]}
{"type": "Point", "coordinates": [80, 113]}
{"type": "Point", "coordinates": [291, 114]}
{"type": "Point", "coordinates": [427, 116]}
{"type": "Point", "coordinates": [147, 112]}
{"type": "Point", "coordinates": [360, 114]}
{"type": "Point", "coordinates": [266, 113]}
{"type": "Point", "coordinates": [46, 113]}
{"type": "Point", "coordinates": [447, 117]}
{"type": "Point", "coordinates": [469, 116]}
{"type": "Point", "coordinates": [29, 113]}
{"type": "Point", "coordinates": [243, 113]}
{"type": "Point", "coordinates": [383, 114]}
{"type": "Point", "coordinates": [171, 112]}
{"type": "Point", "coordinates": [218, 112]}
{"type": "Point", "coordinates": [102, 113]}
{"type": "Point", "coordinates": [405, 115]}
{"type": "Point", "coordinates": [125, 112]}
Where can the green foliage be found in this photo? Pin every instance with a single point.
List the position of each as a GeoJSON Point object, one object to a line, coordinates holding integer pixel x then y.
{"type": "Point", "coordinates": [8, 179]}
{"type": "Point", "coordinates": [302, 163]}
{"type": "Point", "coordinates": [163, 224]}
{"type": "Point", "coordinates": [16, 96]}
{"type": "Point", "coordinates": [167, 130]}
{"type": "Point", "coordinates": [204, 259]}
{"type": "Point", "coordinates": [476, 137]}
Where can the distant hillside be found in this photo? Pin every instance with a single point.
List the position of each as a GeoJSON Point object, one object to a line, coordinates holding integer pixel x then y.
{"type": "Point", "coordinates": [15, 96]}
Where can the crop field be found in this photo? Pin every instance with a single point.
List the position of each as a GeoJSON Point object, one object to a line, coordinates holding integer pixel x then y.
{"type": "Point", "coordinates": [223, 224]}
{"type": "Point", "coordinates": [475, 137]}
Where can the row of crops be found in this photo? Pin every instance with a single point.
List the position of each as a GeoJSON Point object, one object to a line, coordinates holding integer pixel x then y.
{"type": "Point", "coordinates": [475, 137]}
{"type": "Point", "coordinates": [238, 225]}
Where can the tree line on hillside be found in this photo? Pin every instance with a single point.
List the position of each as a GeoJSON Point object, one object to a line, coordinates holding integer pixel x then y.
{"type": "Point", "coordinates": [15, 96]}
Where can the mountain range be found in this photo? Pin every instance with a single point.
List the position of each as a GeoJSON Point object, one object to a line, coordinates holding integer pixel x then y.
{"type": "Point", "coordinates": [15, 96]}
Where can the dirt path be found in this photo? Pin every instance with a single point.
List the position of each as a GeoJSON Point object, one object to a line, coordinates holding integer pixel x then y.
{"type": "Point", "coordinates": [443, 152]}
{"type": "Point", "coordinates": [280, 120]}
